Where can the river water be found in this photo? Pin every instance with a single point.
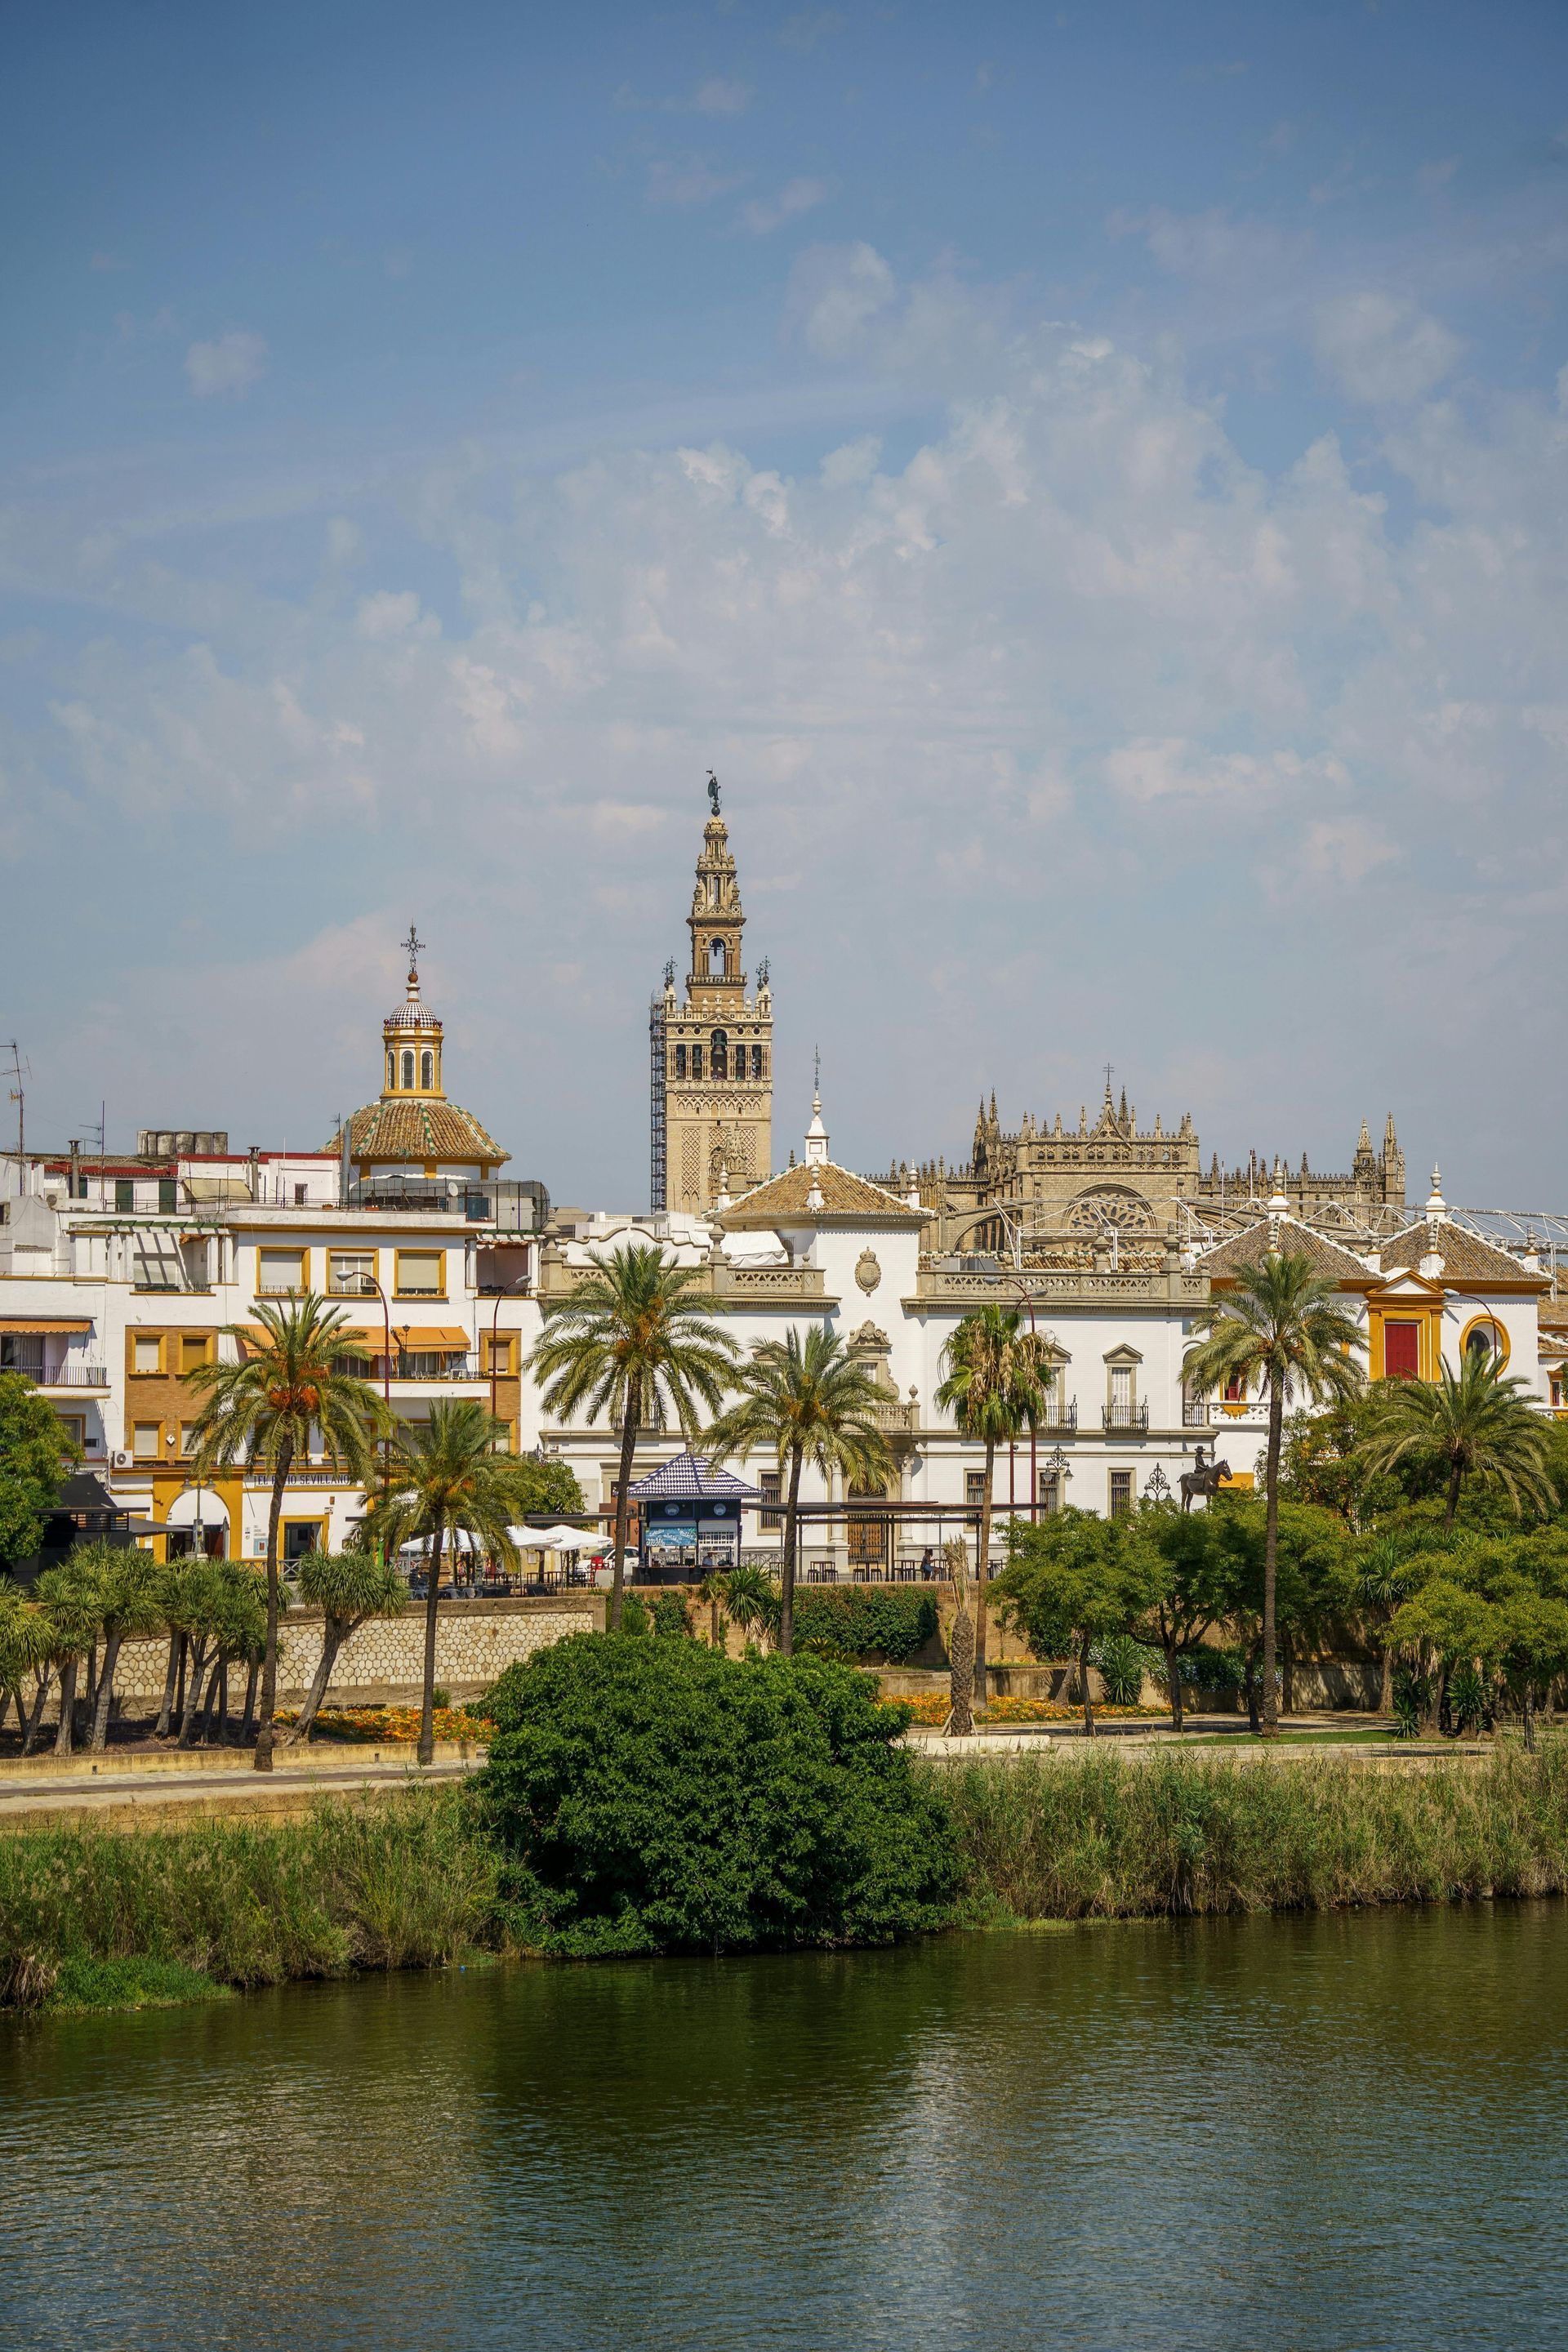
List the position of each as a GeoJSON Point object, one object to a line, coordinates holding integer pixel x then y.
{"type": "Point", "coordinates": [1320, 2132]}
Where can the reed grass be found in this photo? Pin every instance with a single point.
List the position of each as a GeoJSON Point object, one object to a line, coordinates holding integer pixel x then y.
{"type": "Point", "coordinates": [92, 1917]}
{"type": "Point", "coordinates": [391, 1883]}
{"type": "Point", "coordinates": [1113, 1836]}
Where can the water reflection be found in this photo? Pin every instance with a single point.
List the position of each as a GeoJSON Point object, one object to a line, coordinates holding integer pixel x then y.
{"type": "Point", "coordinates": [1318, 2132]}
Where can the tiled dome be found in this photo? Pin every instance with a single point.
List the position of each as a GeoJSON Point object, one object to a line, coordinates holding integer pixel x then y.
{"type": "Point", "coordinates": [411, 1015]}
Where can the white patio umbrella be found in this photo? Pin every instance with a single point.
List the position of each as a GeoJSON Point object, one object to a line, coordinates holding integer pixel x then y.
{"type": "Point", "coordinates": [554, 1539]}
{"type": "Point", "coordinates": [455, 1540]}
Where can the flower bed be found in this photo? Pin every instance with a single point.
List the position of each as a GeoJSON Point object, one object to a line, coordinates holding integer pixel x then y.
{"type": "Point", "coordinates": [390, 1726]}
{"type": "Point", "coordinates": [931, 1708]}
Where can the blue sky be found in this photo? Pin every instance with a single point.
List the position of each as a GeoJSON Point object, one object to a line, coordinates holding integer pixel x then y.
{"type": "Point", "coordinates": [1091, 481]}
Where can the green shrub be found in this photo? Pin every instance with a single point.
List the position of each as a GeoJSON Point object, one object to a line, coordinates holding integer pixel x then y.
{"type": "Point", "coordinates": [1122, 1664]}
{"type": "Point", "coordinates": [657, 1796]}
{"type": "Point", "coordinates": [635, 1617]}
{"type": "Point", "coordinates": [864, 1620]}
{"type": "Point", "coordinates": [671, 1614]}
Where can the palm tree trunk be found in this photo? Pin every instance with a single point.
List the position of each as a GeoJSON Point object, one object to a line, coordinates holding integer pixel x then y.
{"type": "Point", "coordinates": [68, 1706]}
{"type": "Point", "coordinates": [983, 1577]}
{"type": "Point", "coordinates": [1455, 1479]}
{"type": "Point", "coordinates": [111, 1641]}
{"type": "Point", "coordinates": [426, 1749]}
{"type": "Point", "coordinates": [628, 1444]}
{"type": "Point", "coordinates": [29, 1737]}
{"type": "Point", "coordinates": [1529, 1703]}
{"type": "Point", "coordinates": [335, 1633]}
{"type": "Point", "coordinates": [1083, 1651]}
{"type": "Point", "coordinates": [786, 1594]}
{"type": "Point", "coordinates": [1270, 1726]}
{"type": "Point", "coordinates": [961, 1671]}
{"type": "Point", "coordinates": [1385, 1685]}
{"type": "Point", "coordinates": [194, 1685]}
{"type": "Point", "coordinates": [269, 1658]}
{"type": "Point", "coordinates": [249, 1715]}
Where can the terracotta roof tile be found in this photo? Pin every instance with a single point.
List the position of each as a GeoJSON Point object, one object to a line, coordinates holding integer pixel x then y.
{"type": "Point", "coordinates": [417, 1130]}
{"type": "Point", "coordinates": [1250, 1249]}
{"type": "Point", "coordinates": [1465, 1256]}
{"type": "Point", "coordinates": [844, 1194]}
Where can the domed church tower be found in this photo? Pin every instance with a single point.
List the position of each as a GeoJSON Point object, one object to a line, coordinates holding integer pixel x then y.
{"type": "Point", "coordinates": [713, 1075]}
{"type": "Point", "coordinates": [414, 1128]}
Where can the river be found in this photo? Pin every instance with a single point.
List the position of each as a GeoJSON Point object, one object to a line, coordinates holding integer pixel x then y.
{"type": "Point", "coordinates": [1345, 2131]}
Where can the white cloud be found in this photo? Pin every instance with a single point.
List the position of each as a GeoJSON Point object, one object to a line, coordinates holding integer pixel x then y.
{"type": "Point", "coordinates": [689, 182]}
{"type": "Point", "coordinates": [721, 95]}
{"type": "Point", "coordinates": [1070, 664]}
{"type": "Point", "coordinates": [230, 362]}
{"type": "Point", "coordinates": [803, 31]}
{"type": "Point", "coordinates": [1348, 848]}
{"type": "Point", "coordinates": [796, 198]}
{"type": "Point", "coordinates": [835, 292]}
{"type": "Point", "coordinates": [1381, 348]}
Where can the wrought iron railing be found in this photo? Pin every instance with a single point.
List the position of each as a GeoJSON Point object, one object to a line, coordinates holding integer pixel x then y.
{"type": "Point", "coordinates": [1130, 1415]}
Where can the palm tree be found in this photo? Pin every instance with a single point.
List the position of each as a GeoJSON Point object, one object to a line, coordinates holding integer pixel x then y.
{"type": "Point", "coordinates": [25, 1643]}
{"type": "Point", "coordinates": [128, 1604]}
{"type": "Point", "coordinates": [752, 1600]}
{"type": "Point", "coordinates": [997, 1378]}
{"type": "Point", "coordinates": [446, 1478]}
{"type": "Point", "coordinates": [804, 1401]}
{"type": "Point", "coordinates": [349, 1588]}
{"type": "Point", "coordinates": [959, 1643]}
{"type": "Point", "coordinates": [1475, 1422]}
{"type": "Point", "coordinates": [630, 1339]}
{"type": "Point", "coordinates": [70, 1596]}
{"type": "Point", "coordinates": [288, 1384]}
{"type": "Point", "coordinates": [1278, 1326]}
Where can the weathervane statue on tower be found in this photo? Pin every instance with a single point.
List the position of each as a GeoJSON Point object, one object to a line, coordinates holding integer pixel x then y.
{"type": "Point", "coordinates": [712, 791]}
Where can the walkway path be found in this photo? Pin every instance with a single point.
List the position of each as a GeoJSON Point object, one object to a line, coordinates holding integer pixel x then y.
{"type": "Point", "coordinates": [124, 1792]}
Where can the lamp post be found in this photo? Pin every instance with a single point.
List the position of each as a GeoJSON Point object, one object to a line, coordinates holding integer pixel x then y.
{"type": "Point", "coordinates": [1034, 1446]}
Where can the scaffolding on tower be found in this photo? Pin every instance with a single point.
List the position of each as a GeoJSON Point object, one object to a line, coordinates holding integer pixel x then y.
{"type": "Point", "coordinates": [657, 1140]}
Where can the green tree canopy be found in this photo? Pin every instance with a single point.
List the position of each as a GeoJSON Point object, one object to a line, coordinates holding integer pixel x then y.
{"type": "Point", "coordinates": [1476, 1423]}
{"type": "Point", "coordinates": [1074, 1579]}
{"type": "Point", "coordinates": [1193, 1578]}
{"type": "Point", "coordinates": [37, 1451]}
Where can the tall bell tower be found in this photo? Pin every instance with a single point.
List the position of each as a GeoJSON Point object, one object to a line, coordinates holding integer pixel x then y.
{"type": "Point", "coordinates": [714, 1054]}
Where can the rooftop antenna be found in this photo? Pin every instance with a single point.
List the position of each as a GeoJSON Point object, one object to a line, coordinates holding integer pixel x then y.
{"type": "Point", "coordinates": [20, 1069]}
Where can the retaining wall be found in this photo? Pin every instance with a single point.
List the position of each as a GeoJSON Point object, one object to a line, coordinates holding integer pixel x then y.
{"type": "Point", "coordinates": [384, 1663]}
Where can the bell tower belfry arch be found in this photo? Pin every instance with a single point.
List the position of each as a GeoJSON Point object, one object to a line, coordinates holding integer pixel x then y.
{"type": "Point", "coordinates": [712, 1077]}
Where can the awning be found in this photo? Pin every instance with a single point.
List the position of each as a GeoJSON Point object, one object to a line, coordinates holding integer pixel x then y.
{"type": "Point", "coordinates": [75, 1323]}
{"type": "Point", "coordinates": [425, 1334]}
{"type": "Point", "coordinates": [218, 1187]}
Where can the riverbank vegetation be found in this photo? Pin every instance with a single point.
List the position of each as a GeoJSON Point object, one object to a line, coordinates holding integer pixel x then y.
{"type": "Point", "coordinates": [650, 1797]}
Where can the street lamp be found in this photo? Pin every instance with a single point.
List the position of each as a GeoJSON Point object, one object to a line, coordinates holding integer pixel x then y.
{"type": "Point", "coordinates": [367, 1283]}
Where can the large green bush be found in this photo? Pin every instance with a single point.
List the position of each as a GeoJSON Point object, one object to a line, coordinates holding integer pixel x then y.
{"type": "Point", "coordinates": [865, 1620]}
{"type": "Point", "coordinates": [657, 1796]}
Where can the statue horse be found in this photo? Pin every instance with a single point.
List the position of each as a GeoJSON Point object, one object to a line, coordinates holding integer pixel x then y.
{"type": "Point", "coordinates": [1205, 1479]}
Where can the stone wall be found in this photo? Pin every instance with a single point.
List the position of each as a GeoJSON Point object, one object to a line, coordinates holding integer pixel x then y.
{"type": "Point", "coordinates": [384, 1663]}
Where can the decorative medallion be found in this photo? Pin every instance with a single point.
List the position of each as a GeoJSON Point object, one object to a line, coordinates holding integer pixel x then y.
{"type": "Point", "coordinates": [867, 1273]}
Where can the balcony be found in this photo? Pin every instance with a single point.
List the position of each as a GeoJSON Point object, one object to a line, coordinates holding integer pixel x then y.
{"type": "Point", "coordinates": [74, 1376]}
{"type": "Point", "coordinates": [1060, 1420]}
{"type": "Point", "coordinates": [1130, 1415]}
{"type": "Point", "coordinates": [1196, 1412]}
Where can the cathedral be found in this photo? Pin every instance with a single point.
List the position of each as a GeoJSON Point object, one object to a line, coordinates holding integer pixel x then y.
{"type": "Point", "coordinates": [1043, 1188]}
{"type": "Point", "coordinates": [1047, 1185]}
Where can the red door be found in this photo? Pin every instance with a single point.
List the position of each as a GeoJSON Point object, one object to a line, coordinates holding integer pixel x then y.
{"type": "Point", "coordinates": [1402, 1351]}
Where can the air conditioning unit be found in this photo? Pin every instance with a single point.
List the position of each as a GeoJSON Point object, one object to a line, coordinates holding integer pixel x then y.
{"type": "Point", "coordinates": [120, 1461]}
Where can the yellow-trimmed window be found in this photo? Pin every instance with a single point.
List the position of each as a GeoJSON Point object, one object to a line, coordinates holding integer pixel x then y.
{"type": "Point", "coordinates": [497, 1355]}
{"type": "Point", "coordinates": [195, 1349]}
{"type": "Point", "coordinates": [421, 1274]}
{"type": "Point", "coordinates": [146, 1351]}
{"type": "Point", "coordinates": [348, 1272]}
{"type": "Point", "coordinates": [145, 1438]}
{"type": "Point", "coordinates": [280, 1271]}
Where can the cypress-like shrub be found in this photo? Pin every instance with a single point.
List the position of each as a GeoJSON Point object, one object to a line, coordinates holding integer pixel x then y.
{"type": "Point", "coordinates": [865, 1620]}
{"type": "Point", "coordinates": [657, 1796]}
